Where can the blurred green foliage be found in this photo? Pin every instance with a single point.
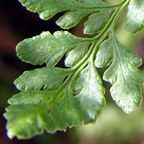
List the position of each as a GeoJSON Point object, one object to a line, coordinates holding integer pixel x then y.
{"type": "Point", "coordinates": [113, 124]}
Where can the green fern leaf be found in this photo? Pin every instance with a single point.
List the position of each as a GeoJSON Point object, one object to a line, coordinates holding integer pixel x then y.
{"type": "Point", "coordinates": [49, 49]}
{"type": "Point", "coordinates": [123, 74]}
{"type": "Point", "coordinates": [135, 16]}
{"type": "Point", "coordinates": [74, 10]}
{"type": "Point", "coordinates": [54, 98]}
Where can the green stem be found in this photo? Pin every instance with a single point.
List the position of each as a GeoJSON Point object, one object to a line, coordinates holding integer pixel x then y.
{"type": "Point", "coordinates": [110, 25]}
{"type": "Point", "coordinates": [94, 40]}
{"type": "Point", "coordinates": [118, 13]}
{"type": "Point", "coordinates": [84, 58]}
{"type": "Point", "coordinates": [94, 47]}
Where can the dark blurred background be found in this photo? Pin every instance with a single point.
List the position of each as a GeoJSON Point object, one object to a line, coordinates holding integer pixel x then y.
{"type": "Point", "coordinates": [16, 24]}
{"type": "Point", "coordinates": [113, 126]}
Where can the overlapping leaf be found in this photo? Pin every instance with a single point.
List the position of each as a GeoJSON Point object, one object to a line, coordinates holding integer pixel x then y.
{"type": "Point", "coordinates": [90, 92]}
{"type": "Point", "coordinates": [49, 49]}
{"type": "Point", "coordinates": [33, 111]}
{"type": "Point", "coordinates": [75, 11]}
{"type": "Point", "coordinates": [135, 15]}
{"type": "Point", "coordinates": [123, 74]}
{"type": "Point", "coordinates": [96, 22]}
{"type": "Point", "coordinates": [75, 55]}
{"type": "Point", "coordinates": [104, 54]}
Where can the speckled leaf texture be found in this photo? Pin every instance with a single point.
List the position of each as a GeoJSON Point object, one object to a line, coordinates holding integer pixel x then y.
{"type": "Point", "coordinates": [45, 102]}
{"type": "Point", "coordinates": [49, 49]}
{"type": "Point", "coordinates": [135, 15]}
{"type": "Point", "coordinates": [74, 11]}
{"type": "Point", "coordinates": [123, 74]}
{"type": "Point", "coordinates": [54, 98]}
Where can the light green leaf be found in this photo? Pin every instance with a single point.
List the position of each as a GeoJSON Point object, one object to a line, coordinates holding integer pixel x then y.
{"type": "Point", "coordinates": [135, 15]}
{"type": "Point", "coordinates": [90, 92]}
{"type": "Point", "coordinates": [49, 49]}
{"type": "Point", "coordinates": [75, 10]}
{"type": "Point", "coordinates": [125, 77]}
{"type": "Point", "coordinates": [104, 54]}
{"type": "Point", "coordinates": [33, 111]}
{"type": "Point", "coordinates": [96, 22]}
{"type": "Point", "coordinates": [46, 78]}
{"type": "Point", "coordinates": [75, 56]}
{"type": "Point", "coordinates": [48, 8]}
{"type": "Point", "coordinates": [71, 19]}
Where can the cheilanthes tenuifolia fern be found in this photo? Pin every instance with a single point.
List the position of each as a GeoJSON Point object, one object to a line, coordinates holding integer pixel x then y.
{"type": "Point", "coordinates": [54, 98]}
